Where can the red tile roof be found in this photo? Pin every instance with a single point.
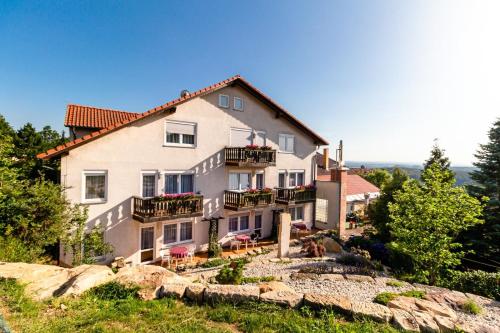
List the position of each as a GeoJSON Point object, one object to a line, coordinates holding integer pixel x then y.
{"type": "Point", "coordinates": [170, 106]}
{"type": "Point", "coordinates": [358, 185]}
{"type": "Point", "coordinates": [91, 117]}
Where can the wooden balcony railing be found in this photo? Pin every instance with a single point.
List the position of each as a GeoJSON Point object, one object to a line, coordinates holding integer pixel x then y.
{"type": "Point", "coordinates": [244, 200]}
{"type": "Point", "coordinates": [242, 156]}
{"type": "Point", "coordinates": [295, 195]}
{"type": "Point", "coordinates": [159, 209]}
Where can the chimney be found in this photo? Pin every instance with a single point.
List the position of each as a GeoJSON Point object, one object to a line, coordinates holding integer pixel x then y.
{"type": "Point", "coordinates": [326, 158]}
{"type": "Point", "coordinates": [184, 93]}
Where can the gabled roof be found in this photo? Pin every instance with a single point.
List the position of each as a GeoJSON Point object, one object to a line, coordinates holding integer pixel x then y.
{"type": "Point", "coordinates": [358, 185]}
{"type": "Point", "coordinates": [170, 107]}
{"type": "Point", "coordinates": [92, 117]}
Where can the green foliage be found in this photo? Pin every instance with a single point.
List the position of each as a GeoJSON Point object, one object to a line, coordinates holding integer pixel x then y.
{"type": "Point", "coordinates": [471, 307]}
{"type": "Point", "coordinates": [214, 248]}
{"type": "Point", "coordinates": [214, 263]}
{"type": "Point", "coordinates": [378, 210]}
{"type": "Point", "coordinates": [232, 273]}
{"type": "Point", "coordinates": [257, 279]}
{"type": "Point", "coordinates": [14, 250]}
{"type": "Point", "coordinates": [394, 283]}
{"type": "Point", "coordinates": [378, 177]}
{"type": "Point", "coordinates": [426, 220]}
{"type": "Point", "coordinates": [385, 297]}
{"type": "Point", "coordinates": [438, 157]}
{"type": "Point", "coordinates": [413, 293]}
{"type": "Point", "coordinates": [484, 238]}
{"type": "Point", "coordinates": [475, 282]}
{"type": "Point", "coordinates": [113, 291]}
{"type": "Point", "coordinates": [84, 246]}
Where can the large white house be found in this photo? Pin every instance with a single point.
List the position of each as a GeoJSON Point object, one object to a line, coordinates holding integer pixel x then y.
{"type": "Point", "coordinates": [153, 179]}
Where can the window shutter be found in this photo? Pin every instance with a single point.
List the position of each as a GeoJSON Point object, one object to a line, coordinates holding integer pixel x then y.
{"type": "Point", "coordinates": [240, 138]}
{"type": "Point", "coordinates": [173, 127]}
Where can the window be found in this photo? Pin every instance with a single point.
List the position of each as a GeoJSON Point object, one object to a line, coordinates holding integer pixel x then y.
{"type": "Point", "coordinates": [281, 178]}
{"type": "Point", "coordinates": [148, 185]}
{"type": "Point", "coordinates": [180, 232]}
{"type": "Point", "coordinates": [259, 180]}
{"type": "Point", "coordinates": [180, 134]}
{"type": "Point", "coordinates": [238, 104]}
{"type": "Point", "coordinates": [286, 143]}
{"type": "Point", "coordinates": [238, 223]}
{"type": "Point", "coordinates": [94, 188]}
{"type": "Point", "coordinates": [224, 101]}
{"type": "Point", "coordinates": [322, 210]}
{"type": "Point", "coordinates": [296, 178]}
{"type": "Point", "coordinates": [240, 137]}
{"type": "Point", "coordinates": [258, 225]}
{"type": "Point", "coordinates": [297, 213]}
{"type": "Point", "coordinates": [179, 183]}
{"type": "Point", "coordinates": [239, 181]}
{"type": "Point", "coordinates": [147, 244]}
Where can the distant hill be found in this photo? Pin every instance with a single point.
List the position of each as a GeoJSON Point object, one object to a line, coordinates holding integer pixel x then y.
{"type": "Point", "coordinates": [413, 170]}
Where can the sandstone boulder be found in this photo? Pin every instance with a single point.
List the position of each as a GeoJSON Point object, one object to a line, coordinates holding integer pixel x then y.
{"type": "Point", "coordinates": [404, 320]}
{"type": "Point", "coordinates": [332, 277]}
{"type": "Point", "coordinates": [194, 292]}
{"type": "Point", "coordinates": [403, 303]}
{"type": "Point", "coordinates": [230, 293]}
{"type": "Point", "coordinates": [425, 321]}
{"type": "Point", "coordinates": [84, 277]}
{"type": "Point", "coordinates": [304, 276]}
{"type": "Point", "coordinates": [27, 273]}
{"type": "Point", "coordinates": [322, 301]}
{"type": "Point", "coordinates": [331, 246]}
{"type": "Point", "coordinates": [274, 286]}
{"type": "Point", "coordinates": [286, 298]}
{"type": "Point", "coordinates": [175, 290]}
{"type": "Point", "coordinates": [454, 299]}
{"type": "Point", "coordinates": [445, 324]}
{"type": "Point", "coordinates": [434, 308]}
{"type": "Point", "coordinates": [371, 310]}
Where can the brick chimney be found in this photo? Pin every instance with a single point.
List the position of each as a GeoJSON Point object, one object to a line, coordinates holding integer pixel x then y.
{"type": "Point", "coordinates": [326, 158]}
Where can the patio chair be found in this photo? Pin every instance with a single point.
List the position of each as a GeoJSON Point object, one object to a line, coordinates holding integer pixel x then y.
{"type": "Point", "coordinates": [165, 256]}
{"type": "Point", "coordinates": [253, 239]}
{"type": "Point", "coordinates": [190, 254]}
{"type": "Point", "coordinates": [235, 243]}
{"type": "Point", "coordinates": [295, 231]}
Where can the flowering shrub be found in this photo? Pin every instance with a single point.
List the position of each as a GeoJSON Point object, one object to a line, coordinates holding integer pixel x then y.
{"type": "Point", "coordinates": [305, 187]}
{"type": "Point", "coordinates": [253, 147]}
{"type": "Point", "coordinates": [265, 148]}
{"type": "Point", "coordinates": [266, 190]}
{"type": "Point", "coordinates": [176, 196]}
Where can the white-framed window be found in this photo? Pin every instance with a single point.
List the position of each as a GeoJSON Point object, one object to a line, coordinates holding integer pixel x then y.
{"type": "Point", "coordinates": [259, 180]}
{"type": "Point", "coordinates": [180, 134]}
{"type": "Point", "coordinates": [281, 178]}
{"type": "Point", "coordinates": [95, 186]}
{"type": "Point", "coordinates": [177, 232]}
{"type": "Point", "coordinates": [297, 213]}
{"type": "Point", "coordinates": [258, 224]}
{"type": "Point", "coordinates": [149, 183]}
{"type": "Point", "coordinates": [239, 223]}
{"type": "Point", "coordinates": [286, 143]}
{"type": "Point", "coordinates": [296, 178]}
{"type": "Point", "coordinates": [239, 181]}
{"type": "Point", "coordinates": [224, 101]}
{"type": "Point", "coordinates": [178, 182]}
{"type": "Point", "coordinates": [237, 104]}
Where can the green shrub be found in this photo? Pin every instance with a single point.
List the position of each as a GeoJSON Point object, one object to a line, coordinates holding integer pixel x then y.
{"type": "Point", "coordinates": [351, 259]}
{"type": "Point", "coordinates": [384, 298]}
{"type": "Point", "coordinates": [15, 250]}
{"type": "Point", "coordinates": [413, 293]}
{"type": "Point", "coordinates": [475, 282]}
{"type": "Point", "coordinates": [113, 291]}
{"type": "Point", "coordinates": [257, 279]}
{"type": "Point", "coordinates": [232, 273]}
{"type": "Point", "coordinates": [214, 263]}
{"type": "Point", "coordinates": [471, 307]}
{"type": "Point", "coordinates": [394, 283]}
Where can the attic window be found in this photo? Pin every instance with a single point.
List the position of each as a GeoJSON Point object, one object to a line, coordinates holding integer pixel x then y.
{"type": "Point", "coordinates": [238, 104]}
{"type": "Point", "coordinates": [224, 101]}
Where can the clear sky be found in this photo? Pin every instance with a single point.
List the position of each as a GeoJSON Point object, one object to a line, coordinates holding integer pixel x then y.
{"type": "Point", "coordinates": [387, 77]}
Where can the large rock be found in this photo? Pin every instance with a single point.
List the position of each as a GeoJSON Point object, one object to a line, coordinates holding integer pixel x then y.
{"type": "Point", "coordinates": [287, 298]}
{"type": "Point", "coordinates": [425, 321]}
{"type": "Point", "coordinates": [274, 286]}
{"type": "Point", "coordinates": [445, 324]}
{"type": "Point", "coordinates": [434, 308]}
{"type": "Point", "coordinates": [304, 276]}
{"type": "Point", "coordinates": [331, 245]}
{"type": "Point", "coordinates": [322, 301]}
{"type": "Point", "coordinates": [84, 277]}
{"type": "Point", "coordinates": [175, 290]}
{"type": "Point", "coordinates": [371, 310]}
{"type": "Point", "coordinates": [404, 320]}
{"type": "Point", "coordinates": [403, 303]}
{"type": "Point", "coordinates": [332, 277]}
{"type": "Point", "coordinates": [27, 273]}
{"type": "Point", "coordinates": [194, 292]}
{"type": "Point", "coordinates": [230, 293]}
{"type": "Point", "coordinates": [454, 299]}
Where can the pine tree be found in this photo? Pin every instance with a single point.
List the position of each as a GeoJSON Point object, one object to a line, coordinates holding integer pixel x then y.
{"type": "Point", "coordinates": [485, 239]}
{"type": "Point", "coordinates": [438, 156]}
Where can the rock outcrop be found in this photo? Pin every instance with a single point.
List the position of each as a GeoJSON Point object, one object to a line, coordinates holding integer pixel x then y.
{"type": "Point", "coordinates": [230, 293]}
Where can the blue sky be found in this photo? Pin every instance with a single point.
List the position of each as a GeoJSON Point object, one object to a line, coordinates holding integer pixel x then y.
{"type": "Point", "coordinates": [387, 77]}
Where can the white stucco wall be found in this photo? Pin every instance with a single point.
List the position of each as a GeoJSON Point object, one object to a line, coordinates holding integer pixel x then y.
{"type": "Point", "coordinates": [330, 191]}
{"type": "Point", "coordinates": [140, 146]}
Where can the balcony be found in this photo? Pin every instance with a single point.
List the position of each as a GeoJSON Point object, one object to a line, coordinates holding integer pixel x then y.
{"type": "Point", "coordinates": [250, 156]}
{"type": "Point", "coordinates": [247, 200]}
{"type": "Point", "coordinates": [295, 195]}
{"type": "Point", "coordinates": [167, 208]}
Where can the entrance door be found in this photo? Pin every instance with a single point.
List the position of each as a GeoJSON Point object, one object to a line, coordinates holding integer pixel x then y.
{"type": "Point", "coordinates": [260, 138]}
{"type": "Point", "coordinates": [147, 244]}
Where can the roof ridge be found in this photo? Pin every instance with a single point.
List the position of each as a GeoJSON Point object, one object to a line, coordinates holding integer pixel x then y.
{"type": "Point", "coordinates": [99, 108]}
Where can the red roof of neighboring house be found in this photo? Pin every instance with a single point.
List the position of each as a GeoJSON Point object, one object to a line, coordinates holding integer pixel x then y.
{"type": "Point", "coordinates": [358, 185]}
{"type": "Point", "coordinates": [170, 106]}
{"type": "Point", "coordinates": [91, 117]}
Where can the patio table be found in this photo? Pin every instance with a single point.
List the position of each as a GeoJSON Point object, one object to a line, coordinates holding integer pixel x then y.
{"type": "Point", "coordinates": [243, 238]}
{"type": "Point", "coordinates": [179, 252]}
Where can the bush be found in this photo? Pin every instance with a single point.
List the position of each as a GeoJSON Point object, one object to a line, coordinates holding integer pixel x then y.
{"type": "Point", "coordinates": [257, 279]}
{"type": "Point", "coordinates": [214, 263]}
{"type": "Point", "coordinates": [113, 291]}
{"type": "Point", "coordinates": [475, 282]}
{"type": "Point", "coordinates": [15, 250]}
{"type": "Point", "coordinates": [232, 273]}
{"type": "Point", "coordinates": [384, 298]}
{"type": "Point", "coordinates": [394, 283]}
{"type": "Point", "coordinates": [471, 307]}
{"type": "Point", "coordinates": [352, 259]}
{"type": "Point", "coordinates": [413, 293]}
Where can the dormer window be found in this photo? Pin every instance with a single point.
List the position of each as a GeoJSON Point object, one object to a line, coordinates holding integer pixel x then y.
{"type": "Point", "coordinates": [238, 104]}
{"type": "Point", "coordinates": [224, 101]}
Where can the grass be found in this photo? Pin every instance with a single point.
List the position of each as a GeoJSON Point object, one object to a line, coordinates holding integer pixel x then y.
{"type": "Point", "coordinates": [92, 313]}
{"type": "Point", "coordinates": [385, 297]}
{"type": "Point", "coordinates": [471, 307]}
{"type": "Point", "coordinates": [394, 283]}
{"type": "Point", "coordinates": [214, 263]}
{"type": "Point", "coordinates": [257, 279]}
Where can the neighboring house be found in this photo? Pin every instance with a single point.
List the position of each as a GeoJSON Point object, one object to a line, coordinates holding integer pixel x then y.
{"type": "Point", "coordinates": [339, 193]}
{"type": "Point", "coordinates": [198, 151]}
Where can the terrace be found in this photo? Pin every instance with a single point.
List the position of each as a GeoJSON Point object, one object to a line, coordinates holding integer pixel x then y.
{"type": "Point", "coordinates": [250, 156]}
{"type": "Point", "coordinates": [167, 207]}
